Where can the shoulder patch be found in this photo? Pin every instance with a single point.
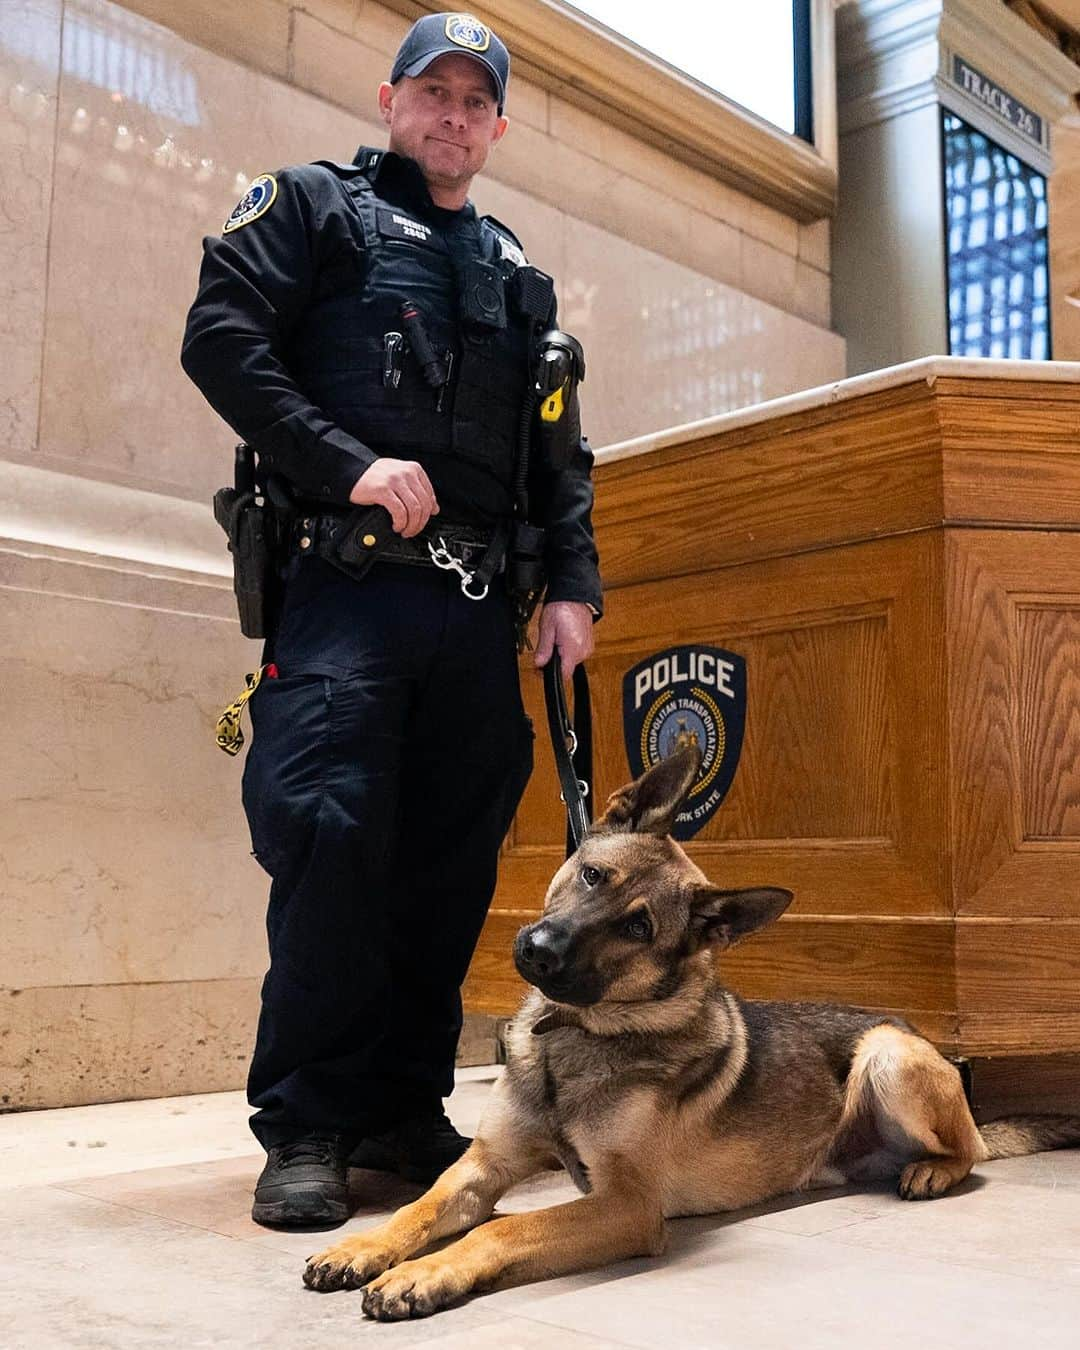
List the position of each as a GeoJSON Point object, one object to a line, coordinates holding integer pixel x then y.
{"type": "Point", "coordinates": [509, 244]}
{"type": "Point", "coordinates": [254, 203]}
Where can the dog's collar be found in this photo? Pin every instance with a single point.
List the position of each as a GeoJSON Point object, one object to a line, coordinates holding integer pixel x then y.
{"type": "Point", "coordinates": [552, 1021]}
{"type": "Point", "coordinates": [648, 1016]}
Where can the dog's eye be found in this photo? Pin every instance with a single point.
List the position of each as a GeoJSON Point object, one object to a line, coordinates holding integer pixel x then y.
{"type": "Point", "coordinates": [639, 928]}
{"type": "Point", "coordinates": [591, 876]}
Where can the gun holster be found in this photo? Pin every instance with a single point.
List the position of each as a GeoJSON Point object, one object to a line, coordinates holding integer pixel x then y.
{"type": "Point", "coordinates": [244, 521]}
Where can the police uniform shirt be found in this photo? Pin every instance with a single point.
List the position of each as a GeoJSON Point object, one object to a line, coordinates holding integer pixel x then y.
{"type": "Point", "coordinates": [286, 335]}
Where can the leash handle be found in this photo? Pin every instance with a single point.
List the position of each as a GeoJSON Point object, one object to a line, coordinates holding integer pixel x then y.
{"type": "Point", "coordinates": [572, 744]}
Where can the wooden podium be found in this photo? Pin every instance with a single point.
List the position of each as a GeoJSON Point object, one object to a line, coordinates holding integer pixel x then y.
{"type": "Point", "coordinates": [897, 558]}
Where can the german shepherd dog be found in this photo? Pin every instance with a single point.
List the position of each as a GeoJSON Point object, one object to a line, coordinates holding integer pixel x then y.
{"type": "Point", "coordinates": [660, 1092]}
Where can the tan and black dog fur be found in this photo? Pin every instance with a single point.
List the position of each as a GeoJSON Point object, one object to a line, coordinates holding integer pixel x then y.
{"type": "Point", "coordinates": [659, 1091]}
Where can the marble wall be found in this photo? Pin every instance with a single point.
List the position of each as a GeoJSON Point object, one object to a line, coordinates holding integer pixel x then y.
{"type": "Point", "coordinates": [1065, 242]}
{"type": "Point", "coordinates": [132, 914]}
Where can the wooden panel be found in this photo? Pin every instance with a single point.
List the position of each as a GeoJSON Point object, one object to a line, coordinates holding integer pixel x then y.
{"type": "Point", "coordinates": [1048, 686]}
{"type": "Point", "coordinates": [887, 964]}
{"type": "Point", "coordinates": [1013, 617]}
{"type": "Point", "coordinates": [1009, 452]}
{"type": "Point", "coordinates": [857, 471]}
{"type": "Point", "coordinates": [1006, 1033]}
{"type": "Point", "coordinates": [985, 792]}
{"type": "Point", "coordinates": [840, 790]}
{"type": "Point", "coordinates": [972, 451]}
{"type": "Point", "coordinates": [892, 965]}
{"type": "Point", "coordinates": [492, 984]}
{"type": "Point", "coordinates": [1018, 966]}
{"type": "Point", "coordinates": [817, 694]}
{"type": "Point", "coordinates": [1017, 1084]}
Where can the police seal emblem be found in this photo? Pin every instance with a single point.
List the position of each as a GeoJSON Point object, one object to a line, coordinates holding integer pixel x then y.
{"type": "Point", "coordinates": [468, 32]}
{"type": "Point", "coordinates": [255, 202]}
{"type": "Point", "coordinates": [688, 696]}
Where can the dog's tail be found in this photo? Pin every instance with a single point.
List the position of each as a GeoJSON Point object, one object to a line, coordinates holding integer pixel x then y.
{"type": "Point", "coordinates": [1015, 1136]}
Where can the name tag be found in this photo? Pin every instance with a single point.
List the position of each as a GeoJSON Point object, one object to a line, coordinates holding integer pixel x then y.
{"type": "Point", "coordinates": [396, 225]}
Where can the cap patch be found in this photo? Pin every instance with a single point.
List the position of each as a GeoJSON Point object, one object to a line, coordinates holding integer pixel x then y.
{"type": "Point", "coordinates": [255, 202]}
{"type": "Point", "coordinates": [468, 32]}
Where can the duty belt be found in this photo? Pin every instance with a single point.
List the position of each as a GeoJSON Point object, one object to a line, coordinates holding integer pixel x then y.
{"type": "Point", "coordinates": [437, 545]}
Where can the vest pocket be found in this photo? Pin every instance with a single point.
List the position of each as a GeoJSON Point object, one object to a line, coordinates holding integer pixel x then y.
{"type": "Point", "coordinates": [490, 389]}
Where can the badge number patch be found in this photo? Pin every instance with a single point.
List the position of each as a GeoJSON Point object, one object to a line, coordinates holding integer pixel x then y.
{"type": "Point", "coordinates": [255, 202]}
{"type": "Point", "coordinates": [688, 695]}
{"type": "Point", "coordinates": [394, 225]}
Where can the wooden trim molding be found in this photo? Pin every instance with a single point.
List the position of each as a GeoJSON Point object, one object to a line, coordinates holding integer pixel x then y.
{"type": "Point", "coordinates": [584, 63]}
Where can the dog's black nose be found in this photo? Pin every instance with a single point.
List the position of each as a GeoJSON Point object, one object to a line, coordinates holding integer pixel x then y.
{"type": "Point", "coordinates": [540, 950]}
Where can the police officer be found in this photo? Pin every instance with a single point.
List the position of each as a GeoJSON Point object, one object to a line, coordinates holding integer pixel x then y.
{"type": "Point", "coordinates": [373, 338]}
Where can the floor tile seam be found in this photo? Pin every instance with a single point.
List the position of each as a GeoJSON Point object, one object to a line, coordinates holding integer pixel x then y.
{"type": "Point", "coordinates": [157, 1166]}
{"type": "Point", "coordinates": [63, 1182]}
{"type": "Point", "coordinates": [954, 1262]}
{"type": "Point", "coordinates": [562, 1326]}
{"type": "Point", "coordinates": [173, 1222]}
{"type": "Point", "coordinates": [819, 1232]}
{"type": "Point", "coordinates": [53, 1183]}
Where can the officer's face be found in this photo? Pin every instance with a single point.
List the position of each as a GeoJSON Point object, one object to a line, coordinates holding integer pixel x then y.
{"type": "Point", "coordinates": [447, 120]}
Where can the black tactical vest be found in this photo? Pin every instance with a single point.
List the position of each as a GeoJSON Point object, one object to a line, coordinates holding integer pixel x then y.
{"type": "Point", "coordinates": [338, 351]}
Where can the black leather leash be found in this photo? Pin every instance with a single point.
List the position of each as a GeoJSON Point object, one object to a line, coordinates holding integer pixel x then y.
{"type": "Point", "coordinates": [572, 743]}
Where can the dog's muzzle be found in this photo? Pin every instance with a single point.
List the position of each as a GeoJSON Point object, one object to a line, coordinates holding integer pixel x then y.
{"type": "Point", "coordinates": [540, 951]}
{"type": "Point", "coordinates": [543, 956]}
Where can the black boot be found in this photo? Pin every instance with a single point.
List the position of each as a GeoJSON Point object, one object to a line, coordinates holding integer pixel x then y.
{"type": "Point", "coordinates": [303, 1184]}
{"type": "Point", "coordinates": [419, 1149]}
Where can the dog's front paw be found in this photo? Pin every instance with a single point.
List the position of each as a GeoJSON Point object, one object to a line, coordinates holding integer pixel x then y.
{"type": "Point", "coordinates": [348, 1265]}
{"type": "Point", "coordinates": [414, 1289]}
{"type": "Point", "coordinates": [925, 1181]}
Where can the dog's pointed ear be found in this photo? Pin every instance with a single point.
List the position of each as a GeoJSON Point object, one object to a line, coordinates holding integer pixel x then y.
{"type": "Point", "coordinates": [650, 804]}
{"type": "Point", "coordinates": [721, 918]}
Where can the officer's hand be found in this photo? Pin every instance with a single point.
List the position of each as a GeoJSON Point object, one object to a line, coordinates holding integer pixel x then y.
{"type": "Point", "coordinates": [403, 488]}
{"type": "Point", "coordinates": [567, 624]}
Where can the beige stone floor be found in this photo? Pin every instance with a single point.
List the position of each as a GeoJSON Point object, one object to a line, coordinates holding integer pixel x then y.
{"type": "Point", "coordinates": [127, 1225]}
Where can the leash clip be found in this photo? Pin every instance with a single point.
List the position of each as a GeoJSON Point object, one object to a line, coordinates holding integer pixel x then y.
{"type": "Point", "coordinates": [444, 559]}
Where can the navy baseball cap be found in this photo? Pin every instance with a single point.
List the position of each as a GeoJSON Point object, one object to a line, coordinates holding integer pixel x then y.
{"type": "Point", "coordinates": [437, 34]}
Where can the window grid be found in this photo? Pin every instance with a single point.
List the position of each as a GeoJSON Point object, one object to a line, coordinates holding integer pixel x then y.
{"type": "Point", "coordinates": [996, 219]}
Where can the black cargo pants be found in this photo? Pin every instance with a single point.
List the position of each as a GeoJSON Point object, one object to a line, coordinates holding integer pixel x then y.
{"type": "Point", "coordinates": [387, 761]}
